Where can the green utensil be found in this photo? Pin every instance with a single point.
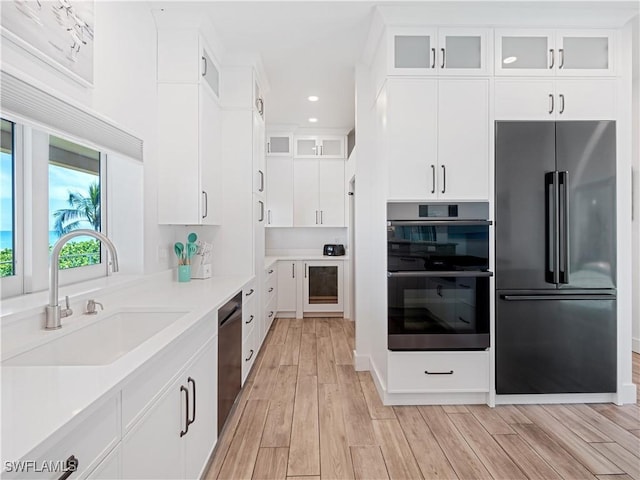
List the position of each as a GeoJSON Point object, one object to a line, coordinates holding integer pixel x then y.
{"type": "Point", "coordinates": [192, 248]}
{"type": "Point", "coordinates": [178, 247]}
{"type": "Point", "coordinates": [192, 237]}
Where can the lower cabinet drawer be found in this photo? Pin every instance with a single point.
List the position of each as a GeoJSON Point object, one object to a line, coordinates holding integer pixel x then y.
{"type": "Point", "coordinates": [438, 372]}
{"type": "Point", "coordinates": [249, 352]}
{"type": "Point", "coordinates": [82, 449]}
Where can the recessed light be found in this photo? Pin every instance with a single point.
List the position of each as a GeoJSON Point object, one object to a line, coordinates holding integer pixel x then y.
{"type": "Point", "coordinates": [509, 60]}
{"type": "Point", "coordinates": [313, 120]}
{"type": "Point", "coordinates": [313, 98]}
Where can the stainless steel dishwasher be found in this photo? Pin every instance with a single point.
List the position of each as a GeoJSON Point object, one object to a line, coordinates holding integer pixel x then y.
{"type": "Point", "coordinates": [229, 356]}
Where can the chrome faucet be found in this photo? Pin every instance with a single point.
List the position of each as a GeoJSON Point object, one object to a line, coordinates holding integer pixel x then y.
{"type": "Point", "coordinates": [54, 311]}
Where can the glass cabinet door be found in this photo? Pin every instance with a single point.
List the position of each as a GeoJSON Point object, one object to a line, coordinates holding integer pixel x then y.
{"type": "Point", "coordinates": [323, 289]}
{"type": "Point", "coordinates": [462, 51]}
{"type": "Point", "coordinates": [332, 147]}
{"type": "Point", "coordinates": [585, 52]}
{"type": "Point", "coordinates": [530, 53]}
{"type": "Point", "coordinates": [412, 52]}
{"type": "Point", "coordinates": [278, 145]}
{"type": "Point", "coordinates": [306, 147]}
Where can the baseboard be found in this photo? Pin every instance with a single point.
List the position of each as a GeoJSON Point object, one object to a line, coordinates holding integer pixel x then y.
{"type": "Point", "coordinates": [627, 394]}
{"type": "Point", "coordinates": [635, 344]}
{"type": "Point", "coordinates": [361, 363]}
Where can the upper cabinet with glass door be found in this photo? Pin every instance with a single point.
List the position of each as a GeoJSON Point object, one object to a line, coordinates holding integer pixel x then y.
{"type": "Point", "coordinates": [279, 145]}
{"type": "Point", "coordinates": [326, 146]}
{"type": "Point", "coordinates": [438, 51]}
{"type": "Point", "coordinates": [555, 52]}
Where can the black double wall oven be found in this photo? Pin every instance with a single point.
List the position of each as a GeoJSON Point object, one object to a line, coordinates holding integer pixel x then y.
{"type": "Point", "coordinates": [438, 276]}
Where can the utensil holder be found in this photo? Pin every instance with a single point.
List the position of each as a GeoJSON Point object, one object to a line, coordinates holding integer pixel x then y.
{"type": "Point", "coordinates": [184, 273]}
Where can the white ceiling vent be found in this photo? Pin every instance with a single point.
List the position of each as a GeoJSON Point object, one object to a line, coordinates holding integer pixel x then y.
{"type": "Point", "coordinates": [33, 103]}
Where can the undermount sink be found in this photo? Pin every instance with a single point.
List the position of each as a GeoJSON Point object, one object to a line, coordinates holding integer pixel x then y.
{"type": "Point", "coordinates": [101, 342]}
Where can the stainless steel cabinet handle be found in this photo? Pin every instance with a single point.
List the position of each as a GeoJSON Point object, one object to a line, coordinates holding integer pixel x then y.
{"type": "Point", "coordinates": [561, 53]}
{"type": "Point", "coordinates": [206, 204]}
{"type": "Point", "coordinates": [433, 58]}
{"type": "Point", "coordinates": [550, 104]}
{"type": "Point", "coordinates": [70, 466]}
{"type": "Point", "coordinates": [444, 178]}
{"type": "Point", "coordinates": [443, 57]}
{"type": "Point", "coordinates": [433, 179]}
{"type": "Point", "coordinates": [261, 189]}
{"type": "Point", "coordinates": [249, 357]}
{"type": "Point", "coordinates": [204, 66]}
{"type": "Point", "coordinates": [316, 217]}
{"type": "Point", "coordinates": [260, 106]}
{"type": "Point", "coordinates": [186, 411]}
{"type": "Point", "coordinates": [561, 111]}
{"type": "Point", "coordinates": [563, 210]}
{"type": "Point", "coordinates": [553, 58]}
{"type": "Point", "coordinates": [193, 384]}
{"type": "Point", "coordinates": [261, 211]}
{"type": "Point", "coordinates": [293, 270]}
{"type": "Point", "coordinates": [450, 372]}
{"type": "Point", "coordinates": [321, 217]}
{"type": "Point", "coordinates": [249, 321]}
{"type": "Point", "coordinates": [269, 216]}
{"type": "Point", "coordinates": [268, 147]}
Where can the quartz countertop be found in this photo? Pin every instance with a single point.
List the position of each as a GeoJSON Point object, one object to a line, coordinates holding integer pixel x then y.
{"type": "Point", "coordinates": [271, 259]}
{"type": "Point", "coordinates": [39, 401]}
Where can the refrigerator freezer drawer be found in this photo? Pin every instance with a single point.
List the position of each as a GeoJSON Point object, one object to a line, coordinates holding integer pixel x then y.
{"type": "Point", "coordinates": [555, 343]}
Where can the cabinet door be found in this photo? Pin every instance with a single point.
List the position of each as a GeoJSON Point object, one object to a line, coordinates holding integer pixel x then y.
{"type": "Point", "coordinates": [280, 192]}
{"type": "Point", "coordinates": [279, 145]}
{"type": "Point", "coordinates": [586, 99]}
{"type": "Point", "coordinates": [287, 286]}
{"type": "Point", "coordinates": [323, 288]}
{"type": "Point", "coordinates": [463, 51]}
{"type": "Point", "coordinates": [411, 150]}
{"type": "Point", "coordinates": [412, 51]}
{"type": "Point", "coordinates": [463, 170]}
{"type": "Point", "coordinates": [525, 52]}
{"type": "Point", "coordinates": [305, 193]}
{"type": "Point", "coordinates": [210, 159]}
{"type": "Point", "coordinates": [332, 147]}
{"type": "Point", "coordinates": [259, 156]}
{"type": "Point", "coordinates": [109, 468]}
{"type": "Point", "coordinates": [586, 52]}
{"type": "Point", "coordinates": [524, 100]}
{"type": "Point", "coordinates": [202, 382]}
{"type": "Point", "coordinates": [306, 147]}
{"type": "Point", "coordinates": [249, 352]}
{"type": "Point", "coordinates": [331, 193]}
{"type": "Point", "coordinates": [160, 427]}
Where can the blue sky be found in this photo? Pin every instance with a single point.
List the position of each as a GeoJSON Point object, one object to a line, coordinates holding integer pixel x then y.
{"type": "Point", "coordinates": [61, 182]}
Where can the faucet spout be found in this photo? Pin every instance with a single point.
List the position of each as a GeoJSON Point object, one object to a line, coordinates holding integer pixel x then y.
{"type": "Point", "coordinates": [54, 311]}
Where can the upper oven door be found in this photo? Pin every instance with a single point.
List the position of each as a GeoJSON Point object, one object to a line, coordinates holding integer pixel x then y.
{"type": "Point", "coordinates": [438, 245]}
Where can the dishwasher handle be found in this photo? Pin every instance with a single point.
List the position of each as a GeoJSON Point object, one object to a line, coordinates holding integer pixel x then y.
{"type": "Point", "coordinates": [229, 315]}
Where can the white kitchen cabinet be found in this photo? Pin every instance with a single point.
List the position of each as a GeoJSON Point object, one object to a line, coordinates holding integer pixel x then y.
{"type": "Point", "coordinates": [318, 193]}
{"type": "Point", "coordinates": [110, 468]}
{"type": "Point", "coordinates": [259, 160]}
{"type": "Point", "coordinates": [326, 146]}
{"type": "Point", "coordinates": [287, 286]}
{"type": "Point", "coordinates": [433, 51]}
{"type": "Point", "coordinates": [181, 424]}
{"type": "Point", "coordinates": [184, 57]}
{"type": "Point", "coordinates": [279, 145]}
{"type": "Point", "coordinates": [190, 158]}
{"type": "Point", "coordinates": [555, 99]}
{"type": "Point", "coordinates": [426, 154]}
{"type": "Point", "coordinates": [280, 192]}
{"type": "Point", "coordinates": [270, 296]}
{"type": "Point", "coordinates": [438, 372]}
{"type": "Point", "coordinates": [323, 286]}
{"type": "Point", "coordinates": [250, 349]}
{"type": "Point", "coordinates": [539, 52]}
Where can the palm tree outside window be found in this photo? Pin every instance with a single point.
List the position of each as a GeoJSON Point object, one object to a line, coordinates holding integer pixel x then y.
{"type": "Point", "coordinates": [74, 200]}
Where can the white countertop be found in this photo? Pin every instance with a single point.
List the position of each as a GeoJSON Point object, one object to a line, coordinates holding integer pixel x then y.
{"type": "Point", "coordinates": [37, 401]}
{"type": "Point", "coordinates": [271, 259]}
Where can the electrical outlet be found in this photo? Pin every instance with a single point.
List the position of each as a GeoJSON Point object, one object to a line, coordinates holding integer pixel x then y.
{"type": "Point", "coordinates": [162, 253]}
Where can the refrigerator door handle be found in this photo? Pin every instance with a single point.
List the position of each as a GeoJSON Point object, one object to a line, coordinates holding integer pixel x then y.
{"type": "Point", "coordinates": [563, 210]}
{"type": "Point", "coordinates": [551, 221]}
{"type": "Point", "coordinates": [529, 298]}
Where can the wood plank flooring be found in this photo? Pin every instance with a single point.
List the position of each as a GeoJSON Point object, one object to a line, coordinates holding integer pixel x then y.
{"type": "Point", "coordinates": [305, 414]}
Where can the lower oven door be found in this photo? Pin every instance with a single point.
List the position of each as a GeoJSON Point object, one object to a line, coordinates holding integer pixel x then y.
{"type": "Point", "coordinates": [438, 310]}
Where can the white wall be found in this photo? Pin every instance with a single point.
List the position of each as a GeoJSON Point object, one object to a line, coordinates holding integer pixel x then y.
{"type": "Point", "coordinates": [303, 240]}
{"type": "Point", "coordinates": [124, 90]}
{"type": "Point", "coordinates": [636, 183]}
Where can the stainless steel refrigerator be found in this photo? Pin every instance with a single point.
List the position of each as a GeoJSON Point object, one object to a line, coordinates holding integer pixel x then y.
{"type": "Point", "coordinates": [555, 257]}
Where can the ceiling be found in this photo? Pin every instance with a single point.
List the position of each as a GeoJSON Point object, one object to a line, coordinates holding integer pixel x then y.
{"type": "Point", "coordinates": [307, 48]}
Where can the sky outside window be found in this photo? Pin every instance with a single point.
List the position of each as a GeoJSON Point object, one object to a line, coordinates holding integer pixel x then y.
{"type": "Point", "coordinates": [7, 196]}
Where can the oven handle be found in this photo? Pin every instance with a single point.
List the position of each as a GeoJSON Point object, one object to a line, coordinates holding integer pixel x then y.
{"type": "Point", "coordinates": [462, 274]}
{"type": "Point", "coordinates": [419, 223]}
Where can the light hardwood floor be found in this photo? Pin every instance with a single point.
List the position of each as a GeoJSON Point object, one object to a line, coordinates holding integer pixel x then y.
{"type": "Point", "coordinates": [305, 413]}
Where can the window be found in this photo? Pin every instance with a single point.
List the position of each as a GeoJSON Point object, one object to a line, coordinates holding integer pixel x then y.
{"type": "Point", "coordinates": [7, 201]}
{"type": "Point", "coordinates": [75, 200]}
